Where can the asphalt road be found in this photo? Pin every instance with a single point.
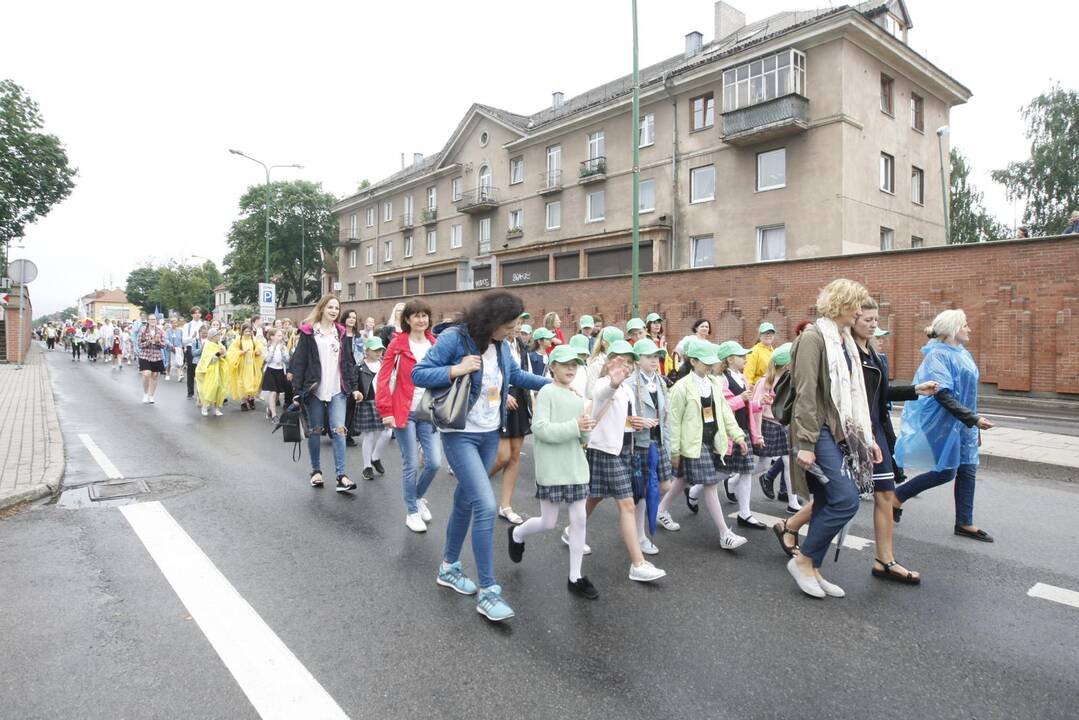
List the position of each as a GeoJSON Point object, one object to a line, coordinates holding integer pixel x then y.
{"type": "Point", "coordinates": [91, 628]}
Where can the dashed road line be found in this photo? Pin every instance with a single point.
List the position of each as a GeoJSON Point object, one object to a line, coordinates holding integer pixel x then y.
{"type": "Point", "coordinates": [103, 462]}
{"type": "Point", "coordinates": [1055, 594]}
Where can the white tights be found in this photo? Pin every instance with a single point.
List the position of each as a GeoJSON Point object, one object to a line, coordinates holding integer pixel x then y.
{"type": "Point", "coordinates": [548, 520]}
{"type": "Point", "coordinates": [742, 487]}
{"type": "Point", "coordinates": [677, 486]}
{"type": "Point", "coordinates": [709, 494]}
{"type": "Point", "coordinates": [374, 444]}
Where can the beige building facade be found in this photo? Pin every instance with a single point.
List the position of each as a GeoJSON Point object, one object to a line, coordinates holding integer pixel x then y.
{"type": "Point", "coordinates": [802, 135]}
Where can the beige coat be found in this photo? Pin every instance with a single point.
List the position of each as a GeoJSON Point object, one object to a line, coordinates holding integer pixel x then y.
{"type": "Point", "coordinates": [813, 406]}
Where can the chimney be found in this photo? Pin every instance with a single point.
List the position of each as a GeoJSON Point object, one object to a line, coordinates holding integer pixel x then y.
{"type": "Point", "coordinates": [728, 20]}
{"type": "Point", "coordinates": [417, 158]}
{"type": "Point", "coordinates": [402, 161]}
{"type": "Point", "coordinates": [693, 43]}
{"type": "Point", "coordinates": [556, 99]}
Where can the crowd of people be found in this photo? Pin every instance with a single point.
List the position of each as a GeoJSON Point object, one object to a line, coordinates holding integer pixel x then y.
{"type": "Point", "coordinates": [614, 412]}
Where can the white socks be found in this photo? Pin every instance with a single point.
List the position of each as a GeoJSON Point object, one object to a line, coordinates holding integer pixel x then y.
{"type": "Point", "coordinates": [548, 520]}
{"type": "Point", "coordinates": [374, 443]}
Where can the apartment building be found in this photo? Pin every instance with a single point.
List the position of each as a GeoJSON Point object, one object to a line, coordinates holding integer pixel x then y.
{"type": "Point", "coordinates": [806, 134]}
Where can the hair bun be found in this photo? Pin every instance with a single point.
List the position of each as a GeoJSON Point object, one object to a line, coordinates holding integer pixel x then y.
{"type": "Point", "coordinates": [930, 332]}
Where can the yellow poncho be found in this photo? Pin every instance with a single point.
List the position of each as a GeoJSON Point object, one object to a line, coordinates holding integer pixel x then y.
{"type": "Point", "coordinates": [245, 358]}
{"type": "Point", "coordinates": [211, 375]}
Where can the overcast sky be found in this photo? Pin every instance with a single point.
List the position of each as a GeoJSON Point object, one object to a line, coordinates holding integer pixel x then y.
{"type": "Point", "coordinates": [148, 97]}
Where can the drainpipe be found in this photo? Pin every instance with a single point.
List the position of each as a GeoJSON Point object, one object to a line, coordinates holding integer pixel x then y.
{"type": "Point", "coordinates": [667, 85]}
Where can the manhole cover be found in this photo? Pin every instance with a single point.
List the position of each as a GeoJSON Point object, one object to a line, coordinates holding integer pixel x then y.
{"type": "Point", "coordinates": [117, 489]}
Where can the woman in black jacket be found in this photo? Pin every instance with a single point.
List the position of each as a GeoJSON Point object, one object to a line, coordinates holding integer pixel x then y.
{"type": "Point", "coordinates": [322, 387]}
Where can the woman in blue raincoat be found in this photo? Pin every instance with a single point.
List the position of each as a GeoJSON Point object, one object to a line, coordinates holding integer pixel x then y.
{"type": "Point", "coordinates": [941, 432]}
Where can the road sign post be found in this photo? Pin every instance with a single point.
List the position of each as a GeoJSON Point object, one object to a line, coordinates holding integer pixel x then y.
{"type": "Point", "coordinates": [267, 302]}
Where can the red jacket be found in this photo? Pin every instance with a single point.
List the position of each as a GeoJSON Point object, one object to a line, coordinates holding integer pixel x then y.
{"type": "Point", "coordinates": [399, 403]}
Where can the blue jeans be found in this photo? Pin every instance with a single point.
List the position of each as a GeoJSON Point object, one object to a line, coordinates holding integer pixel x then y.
{"type": "Point", "coordinates": [964, 489]}
{"type": "Point", "coordinates": [317, 412]}
{"type": "Point", "coordinates": [472, 455]}
{"type": "Point", "coordinates": [834, 502]}
{"type": "Point", "coordinates": [427, 437]}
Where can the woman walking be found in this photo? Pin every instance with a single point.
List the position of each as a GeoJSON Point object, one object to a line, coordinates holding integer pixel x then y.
{"type": "Point", "coordinates": [517, 427]}
{"type": "Point", "coordinates": [475, 348]}
{"type": "Point", "coordinates": [151, 344]}
{"type": "Point", "coordinates": [245, 359]}
{"type": "Point", "coordinates": [941, 432]}
{"type": "Point", "coordinates": [553, 325]}
{"type": "Point", "coordinates": [701, 330]}
{"type": "Point", "coordinates": [77, 339]}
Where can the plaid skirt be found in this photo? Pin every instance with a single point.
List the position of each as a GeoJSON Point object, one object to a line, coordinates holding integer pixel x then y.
{"type": "Point", "coordinates": [736, 463]}
{"type": "Point", "coordinates": [562, 493]}
{"type": "Point", "coordinates": [700, 470]}
{"type": "Point", "coordinates": [611, 475]}
{"type": "Point", "coordinates": [366, 419]}
{"type": "Point", "coordinates": [777, 441]}
{"type": "Point", "coordinates": [664, 471]}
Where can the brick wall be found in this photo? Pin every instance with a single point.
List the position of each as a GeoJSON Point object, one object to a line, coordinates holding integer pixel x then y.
{"type": "Point", "coordinates": [1020, 297]}
{"type": "Point", "coordinates": [12, 333]}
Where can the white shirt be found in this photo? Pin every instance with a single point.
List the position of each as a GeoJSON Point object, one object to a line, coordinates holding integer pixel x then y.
{"type": "Point", "coordinates": [373, 367]}
{"type": "Point", "coordinates": [329, 356]}
{"type": "Point", "coordinates": [191, 331]}
{"type": "Point", "coordinates": [704, 385]}
{"type": "Point", "coordinates": [419, 351]}
{"type": "Point", "coordinates": [486, 414]}
{"type": "Point", "coordinates": [276, 358]}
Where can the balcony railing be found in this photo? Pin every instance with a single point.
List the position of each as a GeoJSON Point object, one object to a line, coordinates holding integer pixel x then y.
{"type": "Point", "coordinates": [406, 221]}
{"type": "Point", "coordinates": [593, 169]}
{"type": "Point", "coordinates": [550, 181]}
{"type": "Point", "coordinates": [429, 216]}
{"type": "Point", "coordinates": [485, 247]}
{"type": "Point", "coordinates": [766, 121]}
{"type": "Point", "coordinates": [479, 200]}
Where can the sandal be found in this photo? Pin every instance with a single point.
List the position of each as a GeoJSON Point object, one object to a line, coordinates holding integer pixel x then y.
{"type": "Point", "coordinates": [507, 513]}
{"type": "Point", "coordinates": [886, 574]}
{"type": "Point", "coordinates": [316, 479]}
{"type": "Point", "coordinates": [779, 532]}
{"type": "Point", "coordinates": [344, 484]}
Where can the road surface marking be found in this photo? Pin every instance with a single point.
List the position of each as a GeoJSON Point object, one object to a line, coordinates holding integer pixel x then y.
{"type": "Point", "coordinates": [1007, 417]}
{"type": "Point", "coordinates": [1054, 593]}
{"type": "Point", "coordinates": [110, 470]}
{"type": "Point", "coordinates": [851, 541]}
{"type": "Point", "coordinates": [273, 679]}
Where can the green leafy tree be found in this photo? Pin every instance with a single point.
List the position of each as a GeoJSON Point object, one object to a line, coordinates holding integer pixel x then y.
{"type": "Point", "coordinates": [1049, 179]}
{"type": "Point", "coordinates": [34, 170]}
{"type": "Point", "coordinates": [302, 229]}
{"type": "Point", "coordinates": [57, 316]}
{"type": "Point", "coordinates": [971, 222]}
{"type": "Point", "coordinates": [173, 287]}
{"type": "Point", "coordinates": [141, 287]}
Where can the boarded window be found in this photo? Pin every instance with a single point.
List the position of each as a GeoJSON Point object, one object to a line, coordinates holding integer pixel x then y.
{"type": "Point", "coordinates": [526, 271]}
{"type": "Point", "coordinates": [481, 277]}
{"type": "Point", "coordinates": [440, 282]}
{"type": "Point", "coordinates": [567, 267]}
{"type": "Point", "coordinates": [618, 260]}
{"type": "Point", "coordinates": [390, 288]}
{"type": "Point", "coordinates": [412, 285]}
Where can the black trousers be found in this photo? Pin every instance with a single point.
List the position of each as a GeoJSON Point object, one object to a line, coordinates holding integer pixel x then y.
{"type": "Point", "coordinates": [189, 369]}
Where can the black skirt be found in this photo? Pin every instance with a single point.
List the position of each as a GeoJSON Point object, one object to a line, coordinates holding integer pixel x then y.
{"type": "Point", "coordinates": [151, 365]}
{"type": "Point", "coordinates": [519, 421]}
{"type": "Point", "coordinates": [274, 380]}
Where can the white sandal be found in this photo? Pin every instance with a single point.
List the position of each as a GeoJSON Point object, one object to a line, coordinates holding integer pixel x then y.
{"type": "Point", "coordinates": [507, 513]}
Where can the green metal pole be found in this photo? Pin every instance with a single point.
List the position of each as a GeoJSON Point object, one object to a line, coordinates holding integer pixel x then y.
{"type": "Point", "coordinates": [636, 297]}
{"type": "Point", "coordinates": [267, 269]}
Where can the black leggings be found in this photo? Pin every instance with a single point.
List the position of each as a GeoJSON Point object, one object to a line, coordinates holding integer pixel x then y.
{"type": "Point", "coordinates": [76, 350]}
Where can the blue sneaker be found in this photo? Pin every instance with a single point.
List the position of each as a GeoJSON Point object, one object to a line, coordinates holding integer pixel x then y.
{"type": "Point", "coordinates": [492, 606]}
{"type": "Point", "coordinates": [451, 576]}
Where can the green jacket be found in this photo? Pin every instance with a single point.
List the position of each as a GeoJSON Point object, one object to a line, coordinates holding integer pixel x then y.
{"type": "Point", "coordinates": [687, 423]}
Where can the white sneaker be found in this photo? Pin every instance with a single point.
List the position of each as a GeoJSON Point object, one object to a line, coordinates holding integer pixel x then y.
{"type": "Point", "coordinates": [218, 413]}
{"type": "Point", "coordinates": [206, 412]}
{"type": "Point", "coordinates": [425, 512]}
{"type": "Point", "coordinates": [415, 523]}
{"type": "Point", "coordinates": [151, 399]}
{"type": "Point", "coordinates": [565, 541]}
{"type": "Point", "coordinates": [730, 541]}
{"type": "Point", "coordinates": [831, 589]}
{"type": "Point", "coordinates": [806, 583]}
{"type": "Point", "coordinates": [667, 522]}
{"type": "Point", "coordinates": [646, 572]}
{"type": "Point", "coordinates": [648, 547]}
{"type": "Point", "coordinates": [145, 399]}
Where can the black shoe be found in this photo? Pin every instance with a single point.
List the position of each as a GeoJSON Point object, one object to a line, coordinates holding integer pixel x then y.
{"type": "Point", "coordinates": [979, 534]}
{"type": "Point", "coordinates": [584, 588]}
{"type": "Point", "coordinates": [897, 515]}
{"type": "Point", "coordinates": [368, 474]}
{"type": "Point", "coordinates": [727, 491]}
{"type": "Point", "coordinates": [767, 486]}
{"type": "Point", "coordinates": [350, 441]}
{"type": "Point", "coordinates": [751, 522]}
{"type": "Point", "coordinates": [691, 503]}
{"type": "Point", "coordinates": [377, 465]}
{"type": "Point", "coordinates": [517, 549]}
{"type": "Point", "coordinates": [243, 407]}
{"type": "Point", "coordinates": [792, 511]}
{"type": "Point", "coordinates": [781, 496]}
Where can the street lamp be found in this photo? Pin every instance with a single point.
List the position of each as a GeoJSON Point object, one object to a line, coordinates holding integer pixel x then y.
{"type": "Point", "coordinates": [945, 190]}
{"type": "Point", "coordinates": [267, 168]}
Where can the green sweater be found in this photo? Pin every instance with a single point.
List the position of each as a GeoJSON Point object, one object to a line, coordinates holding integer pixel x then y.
{"type": "Point", "coordinates": [557, 438]}
{"type": "Point", "coordinates": [687, 424]}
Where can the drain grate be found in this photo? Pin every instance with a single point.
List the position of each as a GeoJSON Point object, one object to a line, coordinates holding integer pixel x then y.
{"type": "Point", "coordinates": [117, 489]}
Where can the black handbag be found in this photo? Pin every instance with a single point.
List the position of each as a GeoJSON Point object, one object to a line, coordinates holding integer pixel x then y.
{"type": "Point", "coordinates": [292, 422]}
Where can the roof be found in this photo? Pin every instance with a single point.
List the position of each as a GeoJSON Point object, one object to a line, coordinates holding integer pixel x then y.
{"type": "Point", "coordinates": [109, 296]}
{"type": "Point", "coordinates": [222, 286]}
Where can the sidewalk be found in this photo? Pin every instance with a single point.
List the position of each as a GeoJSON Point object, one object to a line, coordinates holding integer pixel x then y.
{"type": "Point", "coordinates": [31, 446]}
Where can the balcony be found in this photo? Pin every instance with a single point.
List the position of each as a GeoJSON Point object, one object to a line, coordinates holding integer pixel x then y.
{"type": "Point", "coordinates": [514, 233]}
{"type": "Point", "coordinates": [766, 121]}
{"type": "Point", "coordinates": [429, 216]}
{"type": "Point", "coordinates": [484, 247]}
{"type": "Point", "coordinates": [480, 200]}
{"type": "Point", "coordinates": [406, 221]}
{"type": "Point", "coordinates": [550, 182]}
{"type": "Point", "coordinates": [593, 170]}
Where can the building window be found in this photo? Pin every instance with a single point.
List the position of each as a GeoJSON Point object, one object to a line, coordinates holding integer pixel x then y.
{"type": "Point", "coordinates": [594, 212]}
{"type": "Point", "coordinates": [887, 87]}
{"type": "Point", "coordinates": [917, 112]}
{"type": "Point", "coordinates": [485, 177]}
{"type": "Point", "coordinates": [371, 216]}
{"type": "Point", "coordinates": [457, 187]}
{"type": "Point", "coordinates": [352, 259]}
{"type": "Point", "coordinates": [648, 130]}
{"type": "Point", "coordinates": [351, 291]}
{"type": "Point", "coordinates": [387, 212]}
{"type": "Point", "coordinates": [771, 243]}
{"type": "Point", "coordinates": [702, 112]}
{"type": "Point", "coordinates": [917, 186]}
{"type": "Point", "coordinates": [893, 26]}
{"type": "Point", "coordinates": [887, 239]}
{"type": "Point", "coordinates": [517, 170]}
{"type": "Point", "coordinates": [887, 173]}
{"type": "Point", "coordinates": [516, 219]}
{"type": "Point", "coordinates": [648, 196]}
{"type": "Point", "coordinates": [554, 215]}
{"type": "Point", "coordinates": [456, 234]}
{"type": "Point", "coordinates": [916, 242]}
{"type": "Point", "coordinates": [485, 236]}
{"type": "Point", "coordinates": [701, 247]}
{"type": "Point", "coordinates": [387, 248]}
{"type": "Point", "coordinates": [702, 184]}
{"type": "Point", "coordinates": [554, 166]}
{"type": "Point", "coordinates": [370, 260]}
{"type": "Point", "coordinates": [369, 291]}
{"type": "Point", "coordinates": [407, 243]}
{"type": "Point", "coordinates": [772, 169]}
{"type": "Point", "coordinates": [432, 241]}
{"type": "Point", "coordinates": [352, 225]}
{"type": "Point", "coordinates": [764, 79]}
{"type": "Point", "coordinates": [432, 198]}
{"type": "Point", "coordinates": [597, 145]}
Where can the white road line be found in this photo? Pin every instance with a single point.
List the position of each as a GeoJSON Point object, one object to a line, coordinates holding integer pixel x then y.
{"type": "Point", "coordinates": [110, 470]}
{"type": "Point", "coordinates": [273, 679]}
{"type": "Point", "coordinates": [1054, 593]}
{"type": "Point", "coordinates": [851, 541]}
{"type": "Point", "coordinates": [1007, 417]}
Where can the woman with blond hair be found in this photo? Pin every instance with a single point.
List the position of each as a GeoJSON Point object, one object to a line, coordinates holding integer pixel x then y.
{"type": "Point", "coordinates": [941, 432]}
{"type": "Point", "coordinates": [553, 323]}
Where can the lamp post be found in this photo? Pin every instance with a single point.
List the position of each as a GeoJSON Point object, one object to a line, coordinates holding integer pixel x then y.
{"type": "Point", "coordinates": [945, 190]}
{"type": "Point", "coordinates": [267, 168]}
{"type": "Point", "coordinates": [636, 122]}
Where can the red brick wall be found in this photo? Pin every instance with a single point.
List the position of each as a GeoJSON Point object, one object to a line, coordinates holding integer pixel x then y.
{"type": "Point", "coordinates": [1020, 297]}
{"type": "Point", "coordinates": [12, 328]}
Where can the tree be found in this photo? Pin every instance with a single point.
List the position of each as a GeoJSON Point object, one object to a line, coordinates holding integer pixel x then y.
{"type": "Point", "coordinates": [173, 287]}
{"type": "Point", "coordinates": [300, 217]}
{"type": "Point", "coordinates": [34, 171]}
{"type": "Point", "coordinates": [1049, 179]}
{"type": "Point", "coordinates": [141, 287]}
{"type": "Point", "coordinates": [58, 316]}
{"type": "Point", "coordinates": [971, 222]}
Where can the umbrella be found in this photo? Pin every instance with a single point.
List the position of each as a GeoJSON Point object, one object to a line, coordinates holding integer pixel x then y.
{"type": "Point", "coordinates": [651, 497]}
{"type": "Point", "coordinates": [840, 538]}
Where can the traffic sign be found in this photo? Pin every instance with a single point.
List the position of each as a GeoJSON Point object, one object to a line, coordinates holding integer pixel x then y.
{"type": "Point", "coordinates": [22, 271]}
{"type": "Point", "coordinates": [268, 302]}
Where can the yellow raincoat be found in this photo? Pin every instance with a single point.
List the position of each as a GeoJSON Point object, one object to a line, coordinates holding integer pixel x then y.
{"type": "Point", "coordinates": [245, 358]}
{"type": "Point", "coordinates": [211, 375]}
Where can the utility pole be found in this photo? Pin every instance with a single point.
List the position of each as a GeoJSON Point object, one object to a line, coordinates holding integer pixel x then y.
{"type": "Point", "coordinates": [636, 293]}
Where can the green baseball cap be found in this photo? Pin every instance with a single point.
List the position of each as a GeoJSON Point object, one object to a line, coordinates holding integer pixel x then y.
{"type": "Point", "coordinates": [525, 316]}
{"type": "Point", "coordinates": [646, 346]}
{"type": "Point", "coordinates": [565, 354]}
{"type": "Point", "coordinates": [611, 334]}
{"type": "Point", "coordinates": [621, 347]}
{"type": "Point", "coordinates": [702, 350]}
{"type": "Point", "coordinates": [653, 317]}
{"type": "Point", "coordinates": [526, 328]}
{"type": "Point", "coordinates": [542, 334]}
{"type": "Point", "coordinates": [586, 321]}
{"type": "Point", "coordinates": [634, 324]}
{"type": "Point", "coordinates": [881, 332]}
{"type": "Point", "coordinates": [782, 355]}
{"type": "Point", "coordinates": [766, 327]}
{"type": "Point", "coordinates": [731, 347]}
{"type": "Point", "coordinates": [579, 343]}
{"type": "Point", "coordinates": [373, 343]}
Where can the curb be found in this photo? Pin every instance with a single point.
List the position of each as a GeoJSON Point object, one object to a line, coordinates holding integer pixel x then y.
{"type": "Point", "coordinates": [24, 496]}
{"type": "Point", "coordinates": [1041, 471]}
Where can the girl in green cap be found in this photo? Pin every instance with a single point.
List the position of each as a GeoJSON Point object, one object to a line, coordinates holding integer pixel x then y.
{"type": "Point", "coordinates": [374, 436]}
{"type": "Point", "coordinates": [777, 446]}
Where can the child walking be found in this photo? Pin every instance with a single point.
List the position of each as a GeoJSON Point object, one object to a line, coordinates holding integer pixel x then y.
{"type": "Point", "coordinates": [374, 436]}
{"type": "Point", "coordinates": [740, 463]}
{"type": "Point", "coordinates": [211, 375]}
{"type": "Point", "coordinates": [777, 446]}
{"type": "Point", "coordinates": [560, 426]}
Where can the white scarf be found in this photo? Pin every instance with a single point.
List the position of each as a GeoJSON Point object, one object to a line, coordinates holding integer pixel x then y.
{"type": "Point", "coordinates": [850, 399]}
